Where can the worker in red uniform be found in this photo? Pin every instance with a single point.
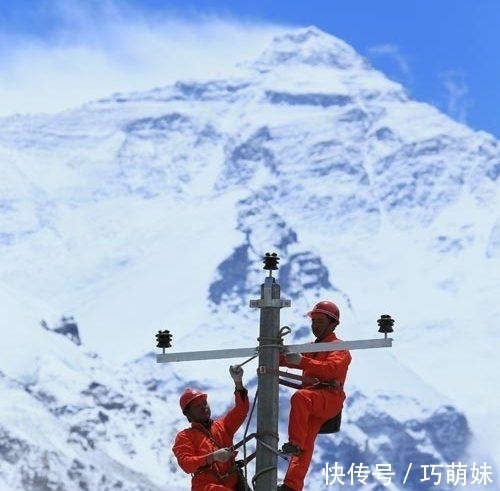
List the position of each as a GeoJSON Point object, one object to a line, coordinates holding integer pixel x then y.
{"type": "Point", "coordinates": [315, 402]}
{"type": "Point", "coordinates": [203, 449]}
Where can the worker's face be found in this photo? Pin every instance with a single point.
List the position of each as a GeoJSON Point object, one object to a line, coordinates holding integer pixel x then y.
{"type": "Point", "coordinates": [199, 410]}
{"type": "Point", "coordinates": [321, 325]}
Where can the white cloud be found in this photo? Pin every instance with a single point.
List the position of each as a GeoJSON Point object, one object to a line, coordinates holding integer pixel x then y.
{"type": "Point", "coordinates": [457, 102]}
{"type": "Point", "coordinates": [391, 51]}
{"type": "Point", "coordinates": [95, 54]}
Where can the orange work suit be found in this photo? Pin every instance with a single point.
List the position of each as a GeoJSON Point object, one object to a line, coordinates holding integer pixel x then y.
{"type": "Point", "coordinates": [192, 446]}
{"type": "Point", "coordinates": [311, 407]}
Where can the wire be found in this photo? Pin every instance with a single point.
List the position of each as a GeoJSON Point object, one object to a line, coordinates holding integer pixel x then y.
{"type": "Point", "coordinates": [246, 361]}
{"type": "Point", "coordinates": [245, 435]}
{"type": "Point", "coordinates": [263, 471]}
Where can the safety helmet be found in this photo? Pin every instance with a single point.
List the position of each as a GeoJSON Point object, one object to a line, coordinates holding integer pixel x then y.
{"type": "Point", "coordinates": [328, 308]}
{"type": "Point", "coordinates": [188, 396]}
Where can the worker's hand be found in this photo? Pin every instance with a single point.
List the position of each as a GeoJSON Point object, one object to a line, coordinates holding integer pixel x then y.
{"type": "Point", "coordinates": [221, 455]}
{"type": "Point", "coordinates": [236, 372]}
{"type": "Point", "coordinates": [293, 358]}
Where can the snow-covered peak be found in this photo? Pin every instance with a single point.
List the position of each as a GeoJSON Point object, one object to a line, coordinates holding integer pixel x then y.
{"type": "Point", "coordinates": [308, 46]}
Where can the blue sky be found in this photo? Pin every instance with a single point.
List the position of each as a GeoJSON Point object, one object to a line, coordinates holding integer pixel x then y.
{"type": "Point", "coordinates": [58, 53]}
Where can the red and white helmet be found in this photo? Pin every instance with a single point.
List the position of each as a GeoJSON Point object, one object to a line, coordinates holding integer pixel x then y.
{"type": "Point", "coordinates": [188, 396]}
{"type": "Point", "coordinates": [328, 308]}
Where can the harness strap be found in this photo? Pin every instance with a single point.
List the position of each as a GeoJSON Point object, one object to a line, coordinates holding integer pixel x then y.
{"type": "Point", "coordinates": [305, 380]}
{"type": "Point", "coordinates": [293, 385]}
{"type": "Point", "coordinates": [246, 439]}
{"type": "Point", "coordinates": [310, 382]}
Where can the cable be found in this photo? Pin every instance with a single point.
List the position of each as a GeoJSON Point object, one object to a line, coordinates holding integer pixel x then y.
{"type": "Point", "coordinates": [245, 435]}
{"type": "Point", "coordinates": [263, 471]}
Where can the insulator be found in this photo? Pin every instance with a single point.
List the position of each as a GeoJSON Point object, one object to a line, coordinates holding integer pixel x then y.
{"type": "Point", "coordinates": [271, 261]}
{"type": "Point", "coordinates": [164, 339]}
{"type": "Point", "coordinates": [385, 324]}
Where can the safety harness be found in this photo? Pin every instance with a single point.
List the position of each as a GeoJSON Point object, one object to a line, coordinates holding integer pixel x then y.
{"type": "Point", "coordinates": [209, 467]}
{"type": "Point", "coordinates": [332, 425]}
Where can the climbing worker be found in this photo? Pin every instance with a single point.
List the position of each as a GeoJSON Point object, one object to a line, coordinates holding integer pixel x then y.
{"type": "Point", "coordinates": [320, 396]}
{"type": "Point", "coordinates": [204, 449]}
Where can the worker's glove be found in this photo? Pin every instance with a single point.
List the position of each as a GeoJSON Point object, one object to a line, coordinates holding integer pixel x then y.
{"type": "Point", "coordinates": [236, 372]}
{"type": "Point", "coordinates": [293, 358]}
{"type": "Point", "coordinates": [221, 455]}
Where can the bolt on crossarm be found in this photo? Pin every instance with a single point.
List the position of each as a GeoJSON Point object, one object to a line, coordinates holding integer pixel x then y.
{"type": "Point", "coordinates": [270, 303]}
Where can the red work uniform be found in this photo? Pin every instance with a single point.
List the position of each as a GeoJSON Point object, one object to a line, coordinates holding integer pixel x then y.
{"type": "Point", "coordinates": [311, 407]}
{"type": "Point", "coordinates": [192, 446]}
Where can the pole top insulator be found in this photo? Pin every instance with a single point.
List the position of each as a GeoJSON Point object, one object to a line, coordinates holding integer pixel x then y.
{"type": "Point", "coordinates": [271, 261]}
{"type": "Point", "coordinates": [385, 324]}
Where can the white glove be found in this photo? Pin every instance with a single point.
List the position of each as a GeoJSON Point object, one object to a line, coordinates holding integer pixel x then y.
{"type": "Point", "coordinates": [236, 372]}
{"type": "Point", "coordinates": [293, 358]}
{"type": "Point", "coordinates": [221, 455]}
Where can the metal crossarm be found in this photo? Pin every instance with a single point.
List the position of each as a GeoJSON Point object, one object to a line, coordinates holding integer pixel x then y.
{"type": "Point", "coordinates": [339, 345]}
{"type": "Point", "coordinates": [290, 348]}
{"type": "Point", "coordinates": [206, 355]}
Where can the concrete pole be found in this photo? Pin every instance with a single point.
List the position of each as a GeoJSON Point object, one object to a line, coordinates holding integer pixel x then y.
{"type": "Point", "coordinates": [270, 303]}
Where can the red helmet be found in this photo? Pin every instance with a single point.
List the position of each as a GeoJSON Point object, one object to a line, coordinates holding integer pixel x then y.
{"type": "Point", "coordinates": [328, 308]}
{"type": "Point", "coordinates": [188, 396]}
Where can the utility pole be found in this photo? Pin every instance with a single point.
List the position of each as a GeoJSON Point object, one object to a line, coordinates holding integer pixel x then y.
{"type": "Point", "coordinates": [270, 345]}
{"type": "Point", "coordinates": [269, 348]}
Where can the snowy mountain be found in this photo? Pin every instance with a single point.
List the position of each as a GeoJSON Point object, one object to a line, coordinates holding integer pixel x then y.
{"type": "Point", "coordinates": [152, 210]}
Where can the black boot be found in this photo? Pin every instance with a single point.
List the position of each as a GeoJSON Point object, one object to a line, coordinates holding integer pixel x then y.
{"type": "Point", "coordinates": [290, 449]}
{"type": "Point", "coordinates": [284, 487]}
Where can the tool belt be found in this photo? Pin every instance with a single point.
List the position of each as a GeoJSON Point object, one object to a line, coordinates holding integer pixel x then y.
{"type": "Point", "coordinates": [241, 482]}
{"type": "Point", "coordinates": [218, 475]}
{"type": "Point", "coordinates": [328, 384]}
